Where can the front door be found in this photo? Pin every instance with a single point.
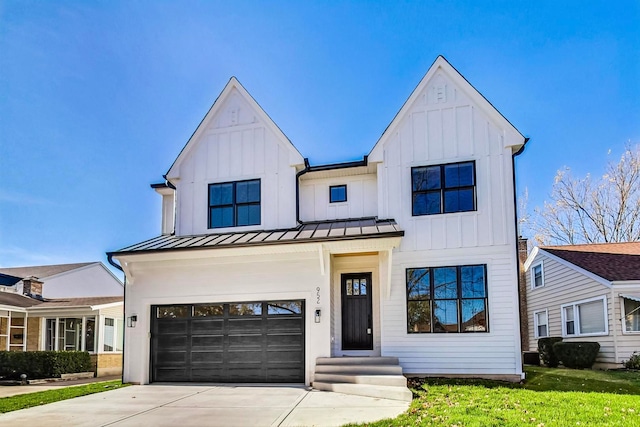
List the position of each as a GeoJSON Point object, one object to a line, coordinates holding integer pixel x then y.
{"type": "Point", "coordinates": [357, 321]}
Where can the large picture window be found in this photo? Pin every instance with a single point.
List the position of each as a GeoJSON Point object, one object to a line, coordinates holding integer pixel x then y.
{"type": "Point", "coordinates": [447, 299]}
{"type": "Point", "coordinates": [443, 188]}
{"type": "Point", "coordinates": [588, 317]}
{"type": "Point", "coordinates": [234, 204]}
{"type": "Point", "coordinates": [71, 333]}
{"type": "Point", "coordinates": [631, 313]}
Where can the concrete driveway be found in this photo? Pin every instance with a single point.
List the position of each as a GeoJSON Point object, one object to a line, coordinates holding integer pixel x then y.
{"type": "Point", "coordinates": [208, 405]}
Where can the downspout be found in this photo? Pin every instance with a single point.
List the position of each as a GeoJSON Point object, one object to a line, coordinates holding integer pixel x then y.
{"type": "Point", "coordinates": [124, 313]}
{"type": "Point", "coordinates": [306, 169]}
{"type": "Point", "coordinates": [515, 221]}
{"type": "Point", "coordinates": [614, 321]}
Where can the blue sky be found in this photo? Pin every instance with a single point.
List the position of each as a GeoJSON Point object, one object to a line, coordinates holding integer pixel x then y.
{"type": "Point", "coordinates": [98, 98]}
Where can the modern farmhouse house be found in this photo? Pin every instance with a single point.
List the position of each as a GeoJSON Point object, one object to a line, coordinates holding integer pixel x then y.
{"type": "Point", "coordinates": [269, 269]}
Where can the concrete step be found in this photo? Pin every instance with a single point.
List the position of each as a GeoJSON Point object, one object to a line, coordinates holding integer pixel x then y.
{"type": "Point", "coordinates": [347, 360]}
{"type": "Point", "coordinates": [359, 369]}
{"type": "Point", "coordinates": [388, 380]}
{"type": "Point", "coordinates": [379, 391]}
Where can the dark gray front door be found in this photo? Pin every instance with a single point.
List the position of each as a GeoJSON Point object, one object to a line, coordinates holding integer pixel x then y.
{"type": "Point", "coordinates": [230, 342]}
{"type": "Point", "coordinates": [357, 322]}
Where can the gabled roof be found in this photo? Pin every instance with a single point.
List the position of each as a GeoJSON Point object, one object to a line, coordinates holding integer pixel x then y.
{"type": "Point", "coordinates": [611, 261]}
{"type": "Point", "coordinates": [321, 231]}
{"type": "Point", "coordinates": [43, 271]}
{"type": "Point", "coordinates": [232, 85]}
{"type": "Point", "coordinates": [441, 64]}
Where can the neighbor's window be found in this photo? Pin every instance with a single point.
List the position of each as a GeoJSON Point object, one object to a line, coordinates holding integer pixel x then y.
{"type": "Point", "coordinates": [234, 204]}
{"type": "Point", "coordinates": [443, 188]}
{"type": "Point", "coordinates": [113, 334]}
{"type": "Point", "coordinates": [631, 315]}
{"type": "Point", "coordinates": [337, 193]}
{"type": "Point", "coordinates": [447, 299]}
{"type": "Point", "coordinates": [541, 323]}
{"type": "Point", "coordinates": [588, 317]}
{"type": "Point", "coordinates": [537, 276]}
{"type": "Point", "coordinates": [70, 333]}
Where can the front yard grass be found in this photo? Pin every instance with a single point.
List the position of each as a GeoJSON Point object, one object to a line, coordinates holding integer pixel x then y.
{"type": "Point", "coordinates": [549, 397]}
{"type": "Point", "coordinates": [22, 401]}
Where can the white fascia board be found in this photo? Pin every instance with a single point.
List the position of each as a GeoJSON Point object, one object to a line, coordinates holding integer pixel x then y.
{"type": "Point", "coordinates": [295, 157]}
{"type": "Point", "coordinates": [626, 282]}
{"type": "Point", "coordinates": [13, 308]}
{"type": "Point", "coordinates": [441, 64]}
{"type": "Point", "coordinates": [108, 305]}
{"type": "Point", "coordinates": [580, 270]}
{"type": "Point", "coordinates": [530, 258]}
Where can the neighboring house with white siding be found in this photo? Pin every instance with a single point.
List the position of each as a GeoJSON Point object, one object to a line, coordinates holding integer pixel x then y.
{"type": "Point", "coordinates": [270, 269]}
{"type": "Point", "coordinates": [586, 293]}
{"type": "Point", "coordinates": [76, 307]}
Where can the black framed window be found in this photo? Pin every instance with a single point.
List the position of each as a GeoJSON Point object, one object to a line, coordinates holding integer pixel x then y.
{"type": "Point", "coordinates": [234, 204]}
{"type": "Point", "coordinates": [447, 299]}
{"type": "Point", "coordinates": [337, 193]}
{"type": "Point", "coordinates": [443, 188]}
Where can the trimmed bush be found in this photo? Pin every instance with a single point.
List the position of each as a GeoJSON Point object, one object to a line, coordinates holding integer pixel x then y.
{"type": "Point", "coordinates": [633, 362]}
{"type": "Point", "coordinates": [577, 354]}
{"type": "Point", "coordinates": [43, 364]}
{"type": "Point", "coordinates": [545, 348]}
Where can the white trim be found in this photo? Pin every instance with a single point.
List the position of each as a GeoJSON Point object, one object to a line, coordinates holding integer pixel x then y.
{"type": "Point", "coordinates": [566, 263]}
{"type": "Point", "coordinates": [533, 276]}
{"type": "Point", "coordinates": [624, 314]}
{"type": "Point", "coordinates": [576, 317]}
{"type": "Point", "coordinates": [535, 323]}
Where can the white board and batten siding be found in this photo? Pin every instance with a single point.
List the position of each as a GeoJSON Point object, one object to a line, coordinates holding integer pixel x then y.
{"type": "Point", "coordinates": [236, 143]}
{"type": "Point", "coordinates": [362, 198]}
{"type": "Point", "coordinates": [565, 285]}
{"type": "Point", "coordinates": [445, 125]}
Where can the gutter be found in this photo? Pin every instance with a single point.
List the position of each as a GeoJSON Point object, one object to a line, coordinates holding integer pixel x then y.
{"type": "Point", "coordinates": [515, 221]}
{"type": "Point", "coordinates": [319, 168]}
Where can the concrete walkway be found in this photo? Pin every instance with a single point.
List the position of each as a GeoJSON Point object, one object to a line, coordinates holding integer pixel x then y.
{"type": "Point", "coordinates": [207, 405]}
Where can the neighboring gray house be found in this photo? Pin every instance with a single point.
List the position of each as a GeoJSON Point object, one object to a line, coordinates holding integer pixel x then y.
{"type": "Point", "coordinates": [586, 293]}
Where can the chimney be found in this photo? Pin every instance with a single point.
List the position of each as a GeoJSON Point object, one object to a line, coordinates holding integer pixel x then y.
{"type": "Point", "coordinates": [32, 287]}
{"type": "Point", "coordinates": [522, 292]}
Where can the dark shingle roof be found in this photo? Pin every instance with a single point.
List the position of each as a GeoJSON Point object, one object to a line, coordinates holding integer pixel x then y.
{"type": "Point", "coordinates": [611, 261]}
{"type": "Point", "coordinates": [349, 229]}
{"type": "Point", "coordinates": [17, 300]}
{"type": "Point", "coordinates": [42, 271]}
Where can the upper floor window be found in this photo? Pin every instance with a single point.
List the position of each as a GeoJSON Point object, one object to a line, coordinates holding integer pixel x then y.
{"type": "Point", "coordinates": [537, 276]}
{"type": "Point", "coordinates": [443, 188]}
{"type": "Point", "coordinates": [234, 204]}
{"type": "Point", "coordinates": [447, 299]}
{"type": "Point", "coordinates": [337, 193]}
{"type": "Point", "coordinates": [588, 317]}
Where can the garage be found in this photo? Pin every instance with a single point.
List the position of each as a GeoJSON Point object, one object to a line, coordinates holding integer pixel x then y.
{"type": "Point", "coordinates": [228, 342]}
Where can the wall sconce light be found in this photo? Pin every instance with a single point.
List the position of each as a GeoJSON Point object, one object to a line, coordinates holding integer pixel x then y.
{"type": "Point", "coordinates": [131, 321]}
{"type": "Point", "coordinates": [317, 316]}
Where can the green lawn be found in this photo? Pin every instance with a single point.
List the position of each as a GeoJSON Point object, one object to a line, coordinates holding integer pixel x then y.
{"type": "Point", "coordinates": [550, 397]}
{"type": "Point", "coordinates": [22, 401]}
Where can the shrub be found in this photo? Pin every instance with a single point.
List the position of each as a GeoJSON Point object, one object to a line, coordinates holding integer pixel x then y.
{"type": "Point", "coordinates": [633, 362]}
{"type": "Point", "coordinates": [545, 348]}
{"type": "Point", "coordinates": [43, 364]}
{"type": "Point", "coordinates": [577, 354]}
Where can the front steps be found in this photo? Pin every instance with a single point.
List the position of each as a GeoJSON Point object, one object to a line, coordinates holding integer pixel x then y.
{"type": "Point", "coordinates": [363, 376]}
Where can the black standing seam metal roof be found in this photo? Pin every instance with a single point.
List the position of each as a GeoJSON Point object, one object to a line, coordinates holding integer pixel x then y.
{"type": "Point", "coordinates": [345, 229]}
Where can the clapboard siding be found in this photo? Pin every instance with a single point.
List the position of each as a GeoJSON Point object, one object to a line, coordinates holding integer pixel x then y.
{"type": "Point", "coordinates": [627, 342]}
{"type": "Point", "coordinates": [115, 312]}
{"type": "Point", "coordinates": [495, 352]}
{"type": "Point", "coordinates": [564, 285]}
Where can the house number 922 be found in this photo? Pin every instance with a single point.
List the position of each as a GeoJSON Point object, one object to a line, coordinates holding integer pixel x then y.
{"type": "Point", "coordinates": [318, 295]}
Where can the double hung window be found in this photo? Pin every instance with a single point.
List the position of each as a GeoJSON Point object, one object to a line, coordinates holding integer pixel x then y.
{"type": "Point", "coordinates": [588, 317]}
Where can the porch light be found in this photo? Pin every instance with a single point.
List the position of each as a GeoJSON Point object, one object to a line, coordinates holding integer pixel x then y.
{"type": "Point", "coordinates": [131, 321]}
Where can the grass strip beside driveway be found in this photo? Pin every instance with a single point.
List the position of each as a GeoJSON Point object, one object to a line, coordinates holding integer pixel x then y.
{"type": "Point", "coordinates": [22, 401]}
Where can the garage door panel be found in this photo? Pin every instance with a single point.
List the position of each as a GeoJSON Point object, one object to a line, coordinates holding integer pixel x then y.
{"type": "Point", "coordinates": [235, 342]}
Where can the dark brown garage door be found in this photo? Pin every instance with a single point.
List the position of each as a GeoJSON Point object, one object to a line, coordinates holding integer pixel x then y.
{"type": "Point", "coordinates": [231, 342]}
